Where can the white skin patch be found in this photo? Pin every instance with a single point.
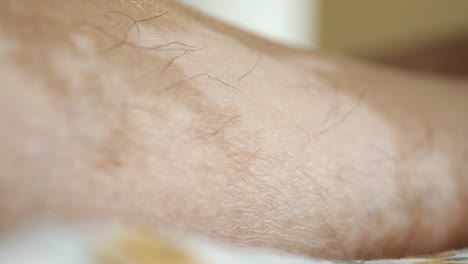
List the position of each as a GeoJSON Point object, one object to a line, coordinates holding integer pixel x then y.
{"type": "Point", "coordinates": [8, 46]}
{"type": "Point", "coordinates": [316, 64]}
{"type": "Point", "coordinates": [84, 44]}
{"type": "Point", "coordinates": [431, 180]}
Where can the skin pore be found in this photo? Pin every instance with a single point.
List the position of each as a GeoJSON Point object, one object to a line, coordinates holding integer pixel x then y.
{"type": "Point", "coordinates": [147, 113]}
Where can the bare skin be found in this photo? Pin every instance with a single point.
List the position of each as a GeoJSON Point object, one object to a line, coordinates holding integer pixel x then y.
{"type": "Point", "coordinates": [146, 113]}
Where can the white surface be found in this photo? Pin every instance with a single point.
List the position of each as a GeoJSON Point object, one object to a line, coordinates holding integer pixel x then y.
{"type": "Point", "coordinates": [57, 244]}
{"type": "Point", "coordinates": [46, 245]}
{"type": "Point", "coordinates": [292, 22]}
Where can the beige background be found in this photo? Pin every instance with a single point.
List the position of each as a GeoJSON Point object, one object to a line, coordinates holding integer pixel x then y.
{"type": "Point", "coordinates": [376, 26]}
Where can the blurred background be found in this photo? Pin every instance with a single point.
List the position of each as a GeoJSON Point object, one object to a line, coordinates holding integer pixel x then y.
{"type": "Point", "coordinates": [421, 35]}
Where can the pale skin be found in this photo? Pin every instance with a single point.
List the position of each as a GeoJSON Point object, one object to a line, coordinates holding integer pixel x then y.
{"type": "Point", "coordinates": [179, 122]}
